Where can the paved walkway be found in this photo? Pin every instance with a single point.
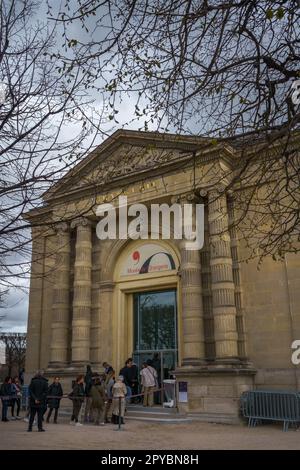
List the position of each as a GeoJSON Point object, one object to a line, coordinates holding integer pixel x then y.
{"type": "Point", "coordinates": [140, 435]}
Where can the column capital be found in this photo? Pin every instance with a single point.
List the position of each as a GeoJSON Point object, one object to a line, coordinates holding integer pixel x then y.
{"type": "Point", "coordinates": [62, 227]}
{"type": "Point", "coordinates": [81, 222]}
{"type": "Point", "coordinates": [203, 192]}
{"type": "Point", "coordinates": [185, 198]}
{"type": "Point", "coordinates": [217, 190]}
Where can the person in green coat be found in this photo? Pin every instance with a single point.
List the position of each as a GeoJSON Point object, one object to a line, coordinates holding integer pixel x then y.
{"type": "Point", "coordinates": [97, 394]}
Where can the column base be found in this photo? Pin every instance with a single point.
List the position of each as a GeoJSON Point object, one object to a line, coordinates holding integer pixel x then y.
{"type": "Point", "coordinates": [234, 361]}
{"type": "Point", "coordinates": [193, 362]}
{"type": "Point", "coordinates": [79, 364]}
{"type": "Point", "coordinates": [57, 365]}
{"type": "Point", "coordinates": [214, 390]}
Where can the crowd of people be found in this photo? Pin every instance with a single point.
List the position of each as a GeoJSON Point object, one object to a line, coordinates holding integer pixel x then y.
{"type": "Point", "coordinates": [11, 387]}
{"type": "Point", "coordinates": [98, 397]}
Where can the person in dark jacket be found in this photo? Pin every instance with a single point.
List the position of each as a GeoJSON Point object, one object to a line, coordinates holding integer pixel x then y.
{"type": "Point", "coordinates": [130, 374]}
{"type": "Point", "coordinates": [6, 393]}
{"type": "Point", "coordinates": [38, 390]}
{"type": "Point", "coordinates": [88, 382]}
{"type": "Point", "coordinates": [21, 376]}
{"type": "Point", "coordinates": [77, 396]}
{"type": "Point", "coordinates": [54, 392]}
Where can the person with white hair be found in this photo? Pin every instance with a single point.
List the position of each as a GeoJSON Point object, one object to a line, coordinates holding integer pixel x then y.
{"type": "Point", "coordinates": [38, 390]}
{"type": "Point", "coordinates": [119, 392]}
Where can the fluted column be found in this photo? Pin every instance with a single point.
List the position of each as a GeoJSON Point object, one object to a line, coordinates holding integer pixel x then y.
{"type": "Point", "coordinates": [96, 313]}
{"type": "Point", "coordinates": [224, 310]}
{"type": "Point", "coordinates": [82, 293]}
{"type": "Point", "coordinates": [192, 306]}
{"type": "Point", "coordinates": [61, 296]}
{"type": "Point", "coordinates": [236, 271]}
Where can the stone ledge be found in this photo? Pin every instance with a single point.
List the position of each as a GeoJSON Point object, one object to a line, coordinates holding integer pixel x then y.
{"type": "Point", "coordinates": [219, 369]}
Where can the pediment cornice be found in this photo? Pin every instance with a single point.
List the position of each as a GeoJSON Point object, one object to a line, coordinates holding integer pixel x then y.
{"type": "Point", "coordinates": [131, 154]}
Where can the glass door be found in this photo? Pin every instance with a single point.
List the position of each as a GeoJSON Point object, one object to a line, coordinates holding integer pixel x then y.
{"type": "Point", "coordinates": [155, 332]}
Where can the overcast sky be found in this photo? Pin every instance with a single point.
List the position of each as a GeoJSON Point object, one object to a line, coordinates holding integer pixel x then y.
{"type": "Point", "coordinates": [15, 308]}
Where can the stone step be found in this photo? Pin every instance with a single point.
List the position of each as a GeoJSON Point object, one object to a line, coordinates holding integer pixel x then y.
{"type": "Point", "coordinates": [167, 420]}
{"type": "Point", "coordinates": [216, 418]}
{"type": "Point", "coordinates": [151, 410]}
{"type": "Point", "coordinates": [155, 414]}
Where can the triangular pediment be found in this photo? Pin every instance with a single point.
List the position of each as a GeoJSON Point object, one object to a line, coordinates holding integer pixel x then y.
{"type": "Point", "coordinates": [124, 154]}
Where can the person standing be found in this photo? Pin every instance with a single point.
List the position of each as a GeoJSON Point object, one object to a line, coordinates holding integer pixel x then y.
{"type": "Point", "coordinates": [130, 374]}
{"type": "Point", "coordinates": [119, 391]}
{"type": "Point", "coordinates": [16, 401]}
{"type": "Point", "coordinates": [55, 391]}
{"type": "Point", "coordinates": [38, 390]}
{"type": "Point", "coordinates": [98, 401]}
{"type": "Point", "coordinates": [77, 395]}
{"type": "Point", "coordinates": [156, 364]}
{"type": "Point", "coordinates": [88, 381]}
{"type": "Point", "coordinates": [149, 383]}
{"type": "Point", "coordinates": [6, 393]}
{"type": "Point", "coordinates": [108, 384]}
{"type": "Point", "coordinates": [21, 376]}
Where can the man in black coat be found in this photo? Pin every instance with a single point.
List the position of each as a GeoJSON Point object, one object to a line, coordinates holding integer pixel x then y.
{"type": "Point", "coordinates": [55, 391]}
{"type": "Point", "coordinates": [130, 374]}
{"type": "Point", "coordinates": [38, 389]}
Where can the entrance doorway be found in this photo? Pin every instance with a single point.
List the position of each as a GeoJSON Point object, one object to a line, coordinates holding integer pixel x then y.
{"type": "Point", "coordinates": [155, 331]}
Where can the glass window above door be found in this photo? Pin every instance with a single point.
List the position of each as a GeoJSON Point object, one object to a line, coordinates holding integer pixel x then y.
{"type": "Point", "coordinates": [155, 320]}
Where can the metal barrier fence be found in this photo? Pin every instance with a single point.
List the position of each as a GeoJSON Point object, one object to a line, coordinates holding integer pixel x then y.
{"type": "Point", "coordinates": [260, 405]}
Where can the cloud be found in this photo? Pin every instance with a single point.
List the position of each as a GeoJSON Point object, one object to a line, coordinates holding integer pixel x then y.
{"type": "Point", "coordinates": [15, 311]}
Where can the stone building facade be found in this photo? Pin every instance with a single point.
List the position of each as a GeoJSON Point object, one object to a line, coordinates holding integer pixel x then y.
{"type": "Point", "coordinates": [216, 322]}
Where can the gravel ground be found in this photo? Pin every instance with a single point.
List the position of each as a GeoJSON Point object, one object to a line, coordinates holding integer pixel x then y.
{"type": "Point", "coordinates": [140, 435]}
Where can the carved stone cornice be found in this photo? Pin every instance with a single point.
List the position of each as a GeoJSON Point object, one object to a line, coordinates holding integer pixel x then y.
{"type": "Point", "coordinates": [81, 222]}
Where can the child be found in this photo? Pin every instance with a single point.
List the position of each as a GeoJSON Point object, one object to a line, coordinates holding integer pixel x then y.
{"type": "Point", "coordinates": [119, 391]}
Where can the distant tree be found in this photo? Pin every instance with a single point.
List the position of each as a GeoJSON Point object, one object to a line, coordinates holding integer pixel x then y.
{"type": "Point", "coordinates": [2, 304]}
{"type": "Point", "coordinates": [15, 350]}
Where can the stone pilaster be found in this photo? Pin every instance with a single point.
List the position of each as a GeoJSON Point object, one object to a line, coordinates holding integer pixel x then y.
{"type": "Point", "coordinates": [193, 352]}
{"type": "Point", "coordinates": [96, 333]}
{"type": "Point", "coordinates": [206, 292]}
{"type": "Point", "coordinates": [236, 271]}
{"type": "Point", "coordinates": [223, 289]}
{"type": "Point", "coordinates": [35, 303]}
{"type": "Point", "coordinates": [82, 293]}
{"type": "Point", "coordinates": [106, 324]}
{"type": "Point", "coordinates": [61, 296]}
